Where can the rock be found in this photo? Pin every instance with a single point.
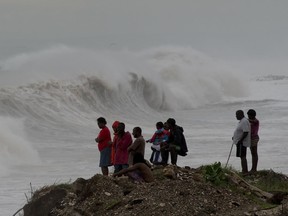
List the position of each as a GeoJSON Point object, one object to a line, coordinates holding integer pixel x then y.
{"type": "Point", "coordinates": [44, 204]}
{"type": "Point", "coordinates": [169, 172]}
{"type": "Point", "coordinates": [167, 195]}
{"type": "Point", "coordinates": [79, 185]}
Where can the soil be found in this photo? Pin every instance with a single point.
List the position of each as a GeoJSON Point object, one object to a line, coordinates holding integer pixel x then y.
{"type": "Point", "coordinates": [175, 191]}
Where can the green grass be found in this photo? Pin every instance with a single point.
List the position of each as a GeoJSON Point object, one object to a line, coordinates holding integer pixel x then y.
{"type": "Point", "coordinates": [270, 181]}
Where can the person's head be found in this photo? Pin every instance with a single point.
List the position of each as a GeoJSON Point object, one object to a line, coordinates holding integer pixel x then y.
{"type": "Point", "coordinates": [137, 132]}
{"type": "Point", "coordinates": [171, 123]}
{"type": "Point", "coordinates": [239, 114]}
{"type": "Point", "coordinates": [138, 158]}
{"type": "Point", "coordinates": [121, 128]}
{"type": "Point", "coordinates": [251, 114]}
{"type": "Point", "coordinates": [159, 125]}
{"type": "Point", "coordinates": [115, 126]}
{"type": "Point", "coordinates": [101, 122]}
{"type": "Point", "coordinates": [165, 126]}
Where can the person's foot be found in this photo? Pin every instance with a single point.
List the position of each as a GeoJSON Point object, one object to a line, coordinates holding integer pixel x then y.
{"type": "Point", "coordinates": [163, 164]}
{"type": "Point", "coordinates": [245, 174]}
{"type": "Point", "coordinates": [252, 172]}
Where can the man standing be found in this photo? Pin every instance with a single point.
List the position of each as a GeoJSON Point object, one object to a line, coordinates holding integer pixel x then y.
{"type": "Point", "coordinates": [138, 146]}
{"type": "Point", "coordinates": [176, 143]}
{"type": "Point", "coordinates": [242, 139]}
{"type": "Point", "coordinates": [103, 139]}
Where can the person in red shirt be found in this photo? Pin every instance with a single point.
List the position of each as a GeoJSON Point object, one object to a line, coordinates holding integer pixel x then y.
{"type": "Point", "coordinates": [104, 139]}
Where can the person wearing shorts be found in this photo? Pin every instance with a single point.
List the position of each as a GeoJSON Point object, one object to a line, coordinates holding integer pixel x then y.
{"type": "Point", "coordinates": [104, 139]}
{"type": "Point", "coordinates": [242, 139]}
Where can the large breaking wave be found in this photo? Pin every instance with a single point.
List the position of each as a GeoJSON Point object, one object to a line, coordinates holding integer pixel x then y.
{"type": "Point", "coordinates": [159, 79]}
{"type": "Point", "coordinates": [58, 93]}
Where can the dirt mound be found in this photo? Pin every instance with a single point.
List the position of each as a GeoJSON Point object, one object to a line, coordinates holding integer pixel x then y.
{"type": "Point", "coordinates": [176, 191]}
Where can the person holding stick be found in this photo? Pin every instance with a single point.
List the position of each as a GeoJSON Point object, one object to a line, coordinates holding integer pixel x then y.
{"type": "Point", "coordinates": [242, 139]}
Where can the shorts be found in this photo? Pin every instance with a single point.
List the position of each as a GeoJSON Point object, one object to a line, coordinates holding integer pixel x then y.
{"type": "Point", "coordinates": [105, 157]}
{"type": "Point", "coordinates": [119, 167]}
{"type": "Point", "coordinates": [241, 150]}
{"type": "Point", "coordinates": [254, 142]}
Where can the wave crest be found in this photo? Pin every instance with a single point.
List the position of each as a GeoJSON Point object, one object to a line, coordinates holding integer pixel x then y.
{"type": "Point", "coordinates": [164, 78]}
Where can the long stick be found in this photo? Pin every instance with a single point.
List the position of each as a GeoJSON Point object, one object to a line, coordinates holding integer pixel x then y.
{"type": "Point", "coordinates": [18, 211]}
{"type": "Point", "coordinates": [229, 155]}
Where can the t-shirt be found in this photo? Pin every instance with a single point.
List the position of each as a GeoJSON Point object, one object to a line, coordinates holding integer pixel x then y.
{"type": "Point", "coordinates": [243, 126]}
{"type": "Point", "coordinates": [104, 137]}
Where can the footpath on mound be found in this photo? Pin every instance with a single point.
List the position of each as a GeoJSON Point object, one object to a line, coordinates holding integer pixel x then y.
{"type": "Point", "coordinates": [207, 190]}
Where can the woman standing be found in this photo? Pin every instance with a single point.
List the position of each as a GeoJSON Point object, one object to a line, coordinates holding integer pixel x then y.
{"type": "Point", "coordinates": [254, 138]}
{"type": "Point", "coordinates": [103, 139]}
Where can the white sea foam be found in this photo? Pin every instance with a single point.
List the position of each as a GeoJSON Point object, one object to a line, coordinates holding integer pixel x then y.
{"type": "Point", "coordinates": [51, 99]}
{"type": "Point", "coordinates": [15, 146]}
{"type": "Point", "coordinates": [166, 77]}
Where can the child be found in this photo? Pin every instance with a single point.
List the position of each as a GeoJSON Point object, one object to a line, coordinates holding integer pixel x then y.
{"type": "Point", "coordinates": [160, 135]}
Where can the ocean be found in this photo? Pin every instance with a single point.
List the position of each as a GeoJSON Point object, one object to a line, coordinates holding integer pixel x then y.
{"type": "Point", "coordinates": [50, 100]}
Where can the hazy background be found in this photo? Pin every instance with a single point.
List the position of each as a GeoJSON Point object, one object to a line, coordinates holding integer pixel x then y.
{"type": "Point", "coordinates": [238, 30]}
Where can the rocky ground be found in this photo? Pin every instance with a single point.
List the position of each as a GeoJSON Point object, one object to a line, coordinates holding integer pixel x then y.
{"type": "Point", "coordinates": [175, 191]}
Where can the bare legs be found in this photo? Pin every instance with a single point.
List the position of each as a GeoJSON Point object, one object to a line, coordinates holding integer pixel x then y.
{"type": "Point", "coordinates": [105, 170]}
{"type": "Point", "coordinates": [254, 154]}
{"type": "Point", "coordinates": [244, 165]}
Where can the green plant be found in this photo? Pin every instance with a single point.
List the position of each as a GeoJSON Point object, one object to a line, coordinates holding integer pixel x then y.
{"type": "Point", "coordinates": [214, 173]}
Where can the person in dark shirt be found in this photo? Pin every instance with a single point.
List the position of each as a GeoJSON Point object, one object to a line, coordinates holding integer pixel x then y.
{"type": "Point", "coordinates": [176, 143]}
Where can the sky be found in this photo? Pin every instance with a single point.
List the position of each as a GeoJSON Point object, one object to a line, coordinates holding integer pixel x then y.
{"type": "Point", "coordinates": [229, 29]}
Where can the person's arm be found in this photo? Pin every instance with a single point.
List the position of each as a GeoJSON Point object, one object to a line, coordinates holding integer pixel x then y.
{"type": "Point", "coordinates": [134, 146]}
{"type": "Point", "coordinates": [148, 163]}
{"type": "Point", "coordinates": [101, 136]}
{"type": "Point", "coordinates": [243, 137]}
{"type": "Point", "coordinates": [126, 141]}
{"type": "Point", "coordinates": [153, 138]}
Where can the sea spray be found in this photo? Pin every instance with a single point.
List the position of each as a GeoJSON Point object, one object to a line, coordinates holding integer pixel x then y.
{"type": "Point", "coordinates": [16, 149]}
{"type": "Point", "coordinates": [161, 78]}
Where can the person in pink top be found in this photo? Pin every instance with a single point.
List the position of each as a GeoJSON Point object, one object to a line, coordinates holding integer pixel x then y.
{"type": "Point", "coordinates": [104, 139]}
{"type": "Point", "coordinates": [113, 143]}
{"type": "Point", "coordinates": [160, 135]}
{"type": "Point", "coordinates": [124, 140]}
{"type": "Point", "coordinates": [254, 122]}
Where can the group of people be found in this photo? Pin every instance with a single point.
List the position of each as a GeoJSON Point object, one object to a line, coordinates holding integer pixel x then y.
{"type": "Point", "coordinates": [127, 156]}
{"type": "Point", "coordinates": [245, 136]}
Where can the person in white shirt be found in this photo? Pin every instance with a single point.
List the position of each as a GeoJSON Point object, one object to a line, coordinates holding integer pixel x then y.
{"type": "Point", "coordinates": [242, 139]}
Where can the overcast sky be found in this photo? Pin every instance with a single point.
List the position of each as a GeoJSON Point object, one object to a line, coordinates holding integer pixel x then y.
{"type": "Point", "coordinates": [235, 29]}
